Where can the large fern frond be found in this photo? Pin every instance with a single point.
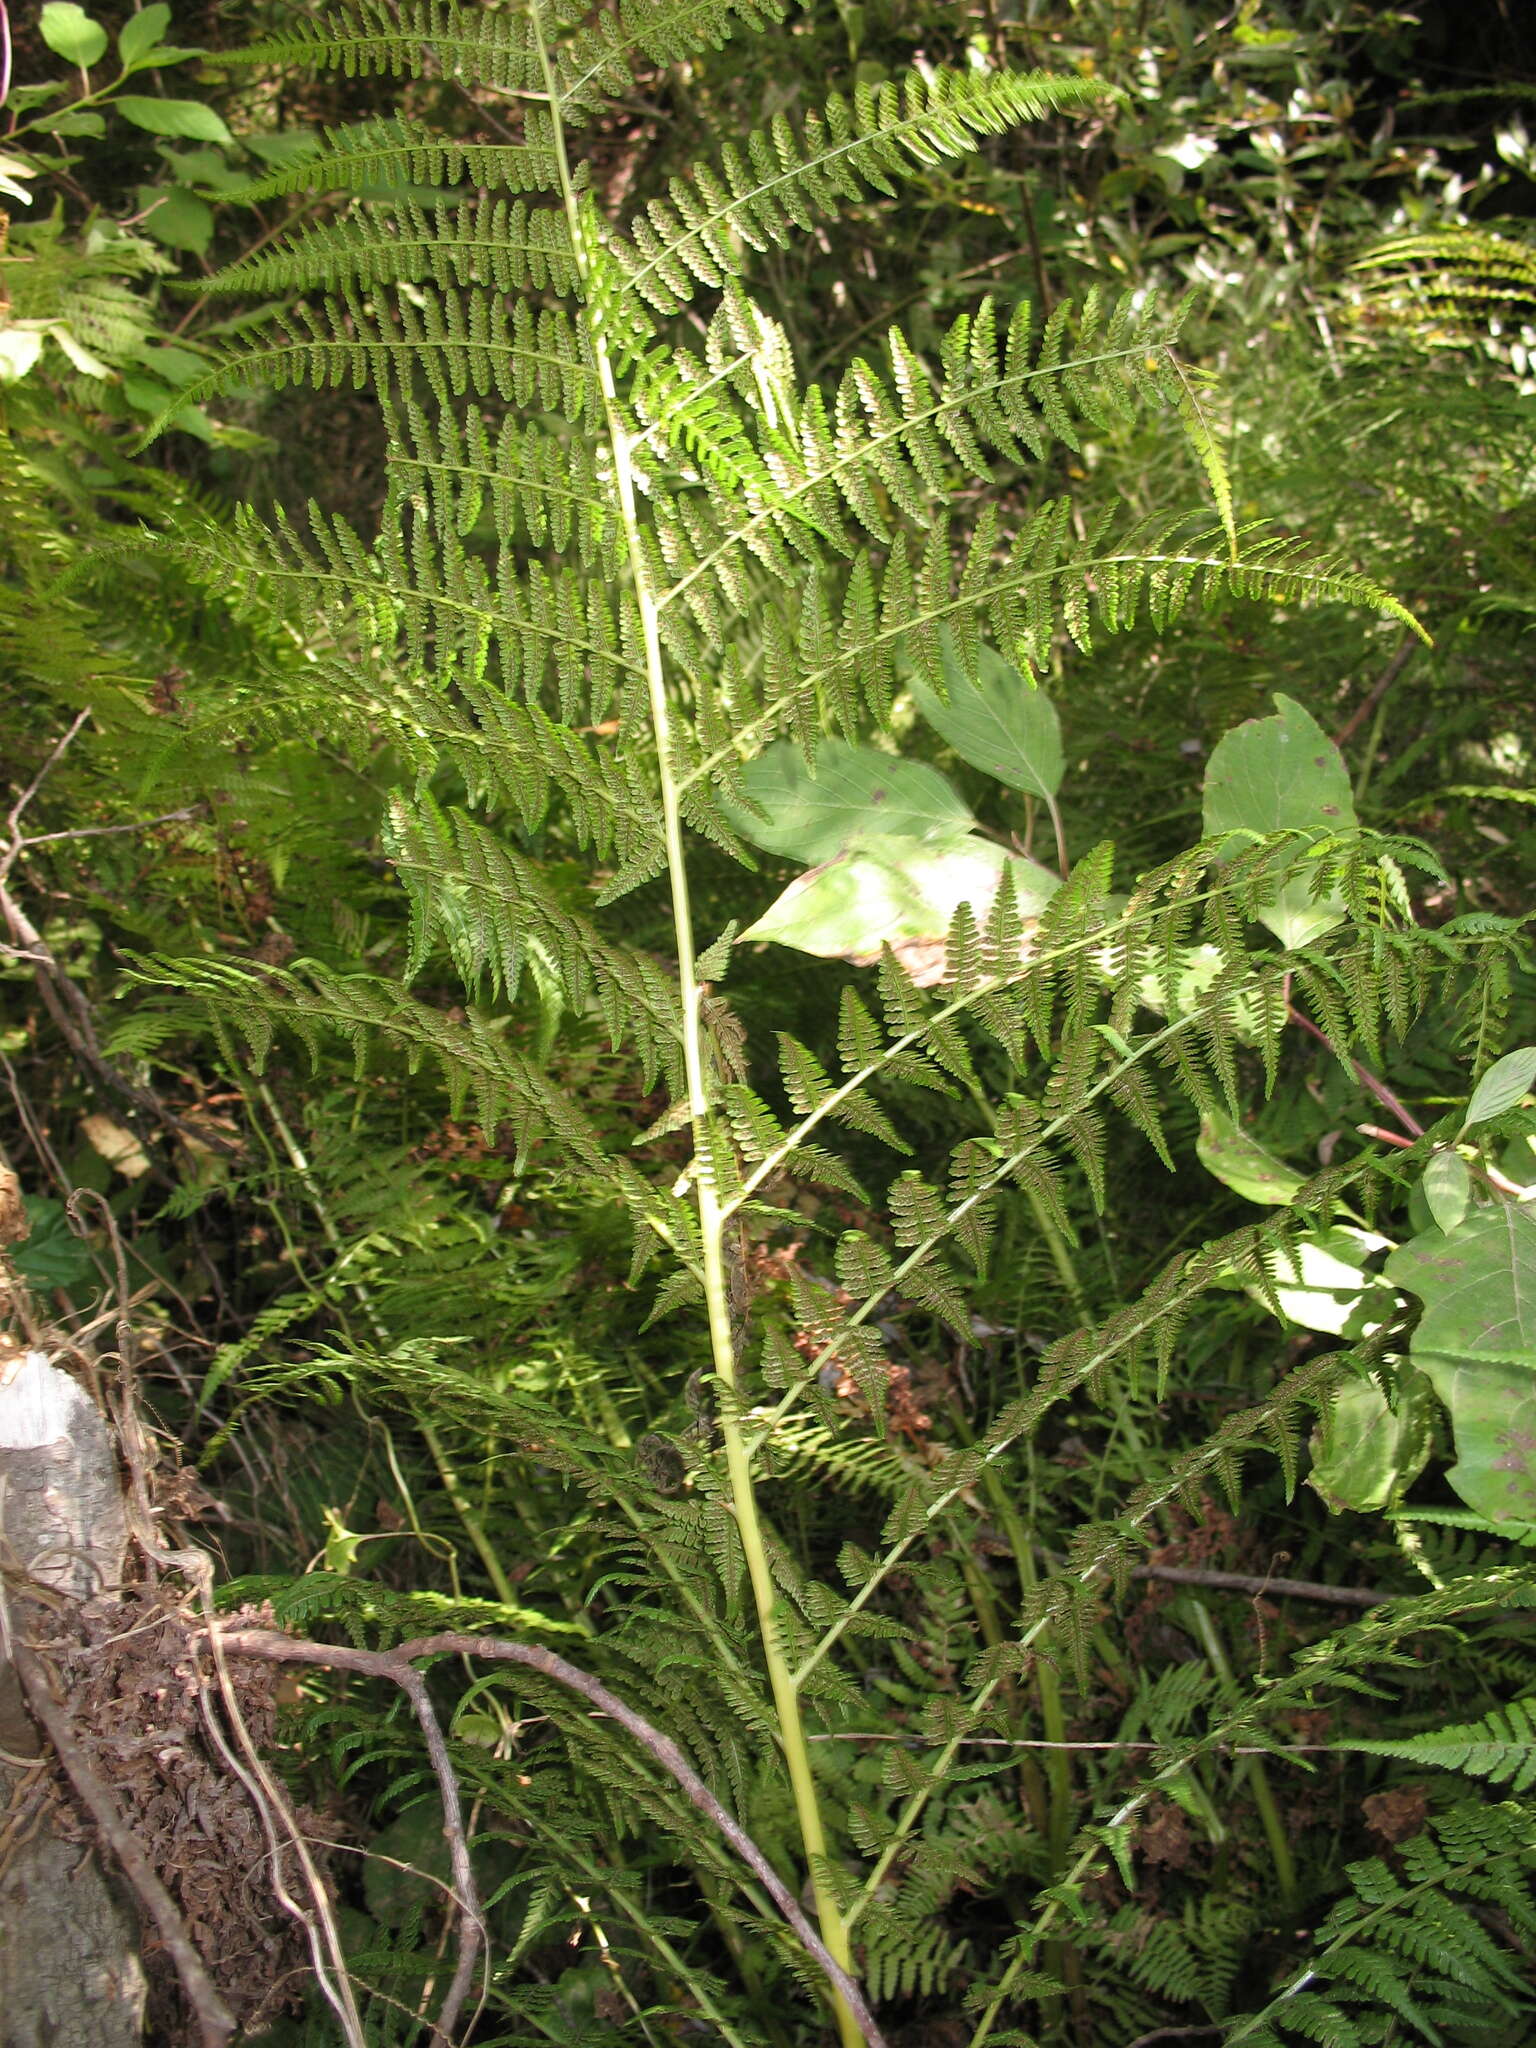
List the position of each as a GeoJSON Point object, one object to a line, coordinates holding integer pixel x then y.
{"type": "Point", "coordinates": [784, 181]}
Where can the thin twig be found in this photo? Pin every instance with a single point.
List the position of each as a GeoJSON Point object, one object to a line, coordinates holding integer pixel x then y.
{"type": "Point", "coordinates": [62, 998]}
{"type": "Point", "coordinates": [216, 2023]}
{"type": "Point", "coordinates": [1402, 654]}
{"type": "Point", "coordinates": [72, 1014]}
{"type": "Point", "coordinates": [919, 1743]}
{"type": "Point", "coordinates": [108, 831]}
{"type": "Point", "coordinates": [396, 1665]}
{"type": "Point", "coordinates": [1250, 1582]}
{"type": "Point", "coordinates": [1172, 2034]}
{"type": "Point", "coordinates": [466, 1896]}
{"type": "Point", "coordinates": [14, 815]}
{"type": "Point", "coordinates": [327, 1956]}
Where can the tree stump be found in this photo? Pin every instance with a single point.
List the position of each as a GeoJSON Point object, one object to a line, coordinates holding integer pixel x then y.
{"type": "Point", "coordinates": [69, 1936]}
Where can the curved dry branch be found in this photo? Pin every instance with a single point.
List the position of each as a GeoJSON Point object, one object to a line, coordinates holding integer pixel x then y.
{"type": "Point", "coordinates": [398, 1665]}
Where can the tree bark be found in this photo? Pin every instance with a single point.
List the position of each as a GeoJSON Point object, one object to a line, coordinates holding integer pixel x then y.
{"type": "Point", "coordinates": [69, 1936]}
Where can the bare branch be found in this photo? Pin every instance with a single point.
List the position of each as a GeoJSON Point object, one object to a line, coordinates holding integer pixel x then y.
{"type": "Point", "coordinates": [397, 1665]}
{"type": "Point", "coordinates": [14, 815]}
{"type": "Point", "coordinates": [1250, 1582]}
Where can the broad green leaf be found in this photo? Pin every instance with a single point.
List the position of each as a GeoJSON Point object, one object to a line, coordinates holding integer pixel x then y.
{"type": "Point", "coordinates": [1241, 1162]}
{"type": "Point", "coordinates": [289, 146]}
{"type": "Point", "coordinates": [1322, 1283]}
{"type": "Point", "coordinates": [81, 358]}
{"type": "Point", "coordinates": [1282, 774]}
{"type": "Point", "coordinates": [172, 117]}
{"type": "Point", "coordinates": [1504, 1084]}
{"type": "Point", "coordinates": [12, 170]}
{"type": "Point", "coordinates": [20, 348]}
{"type": "Point", "coordinates": [1517, 1162]}
{"type": "Point", "coordinates": [998, 721]}
{"type": "Point", "coordinates": [175, 217]}
{"type": "Point", "coordinates": [207, 170]}
{"type": "Point", "coordinates": [855, 794]}
{"type": "Point", "coordinates": [1476, 1341]}
{"type": "Point", "coordinates": [1367, 1455]}
{"type": "Point", "coordinates": [71, 33]}
{"type": "Point", "coordinates": [1493, 1418]}
{"type": "Point", "coordinates": [141, 32]}
{"type": "Point", "coordinates": [85, 123]}
{"type": "Point", "coordinates": [1478, 1286]}
{"type": "Point", "coordinates": [52, 1256]}
{"type": "Point", "coordinates": [900, 893]}
{"type": "Point", "coordinates": [1447, 1188]}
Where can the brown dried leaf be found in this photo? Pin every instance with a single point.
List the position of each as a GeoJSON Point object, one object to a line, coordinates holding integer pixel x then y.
{"type": "Point", "coordinates": [1398, 1815]}
{"type": "Point", "coordinates": [1164, 1838]}
{"type": "Point", "coordinates": [14, 1226]}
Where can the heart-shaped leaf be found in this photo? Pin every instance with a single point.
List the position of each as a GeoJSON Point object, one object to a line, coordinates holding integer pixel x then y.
{"type": "Point", "coordinates": [1478, 1286]}
{"type": "Point", "coordinates": [998, 721]}
{"type": "Point", "coordinates": [854, 794]}
{"type": "Point", "coordinates": [1476, 1342]}
{"type": "Point", "coordinates": [1493, 1418]}
{"type": "Point", "coordinates": [71, 33]}
{"type": "Point", "coordinates": [1282, 774]}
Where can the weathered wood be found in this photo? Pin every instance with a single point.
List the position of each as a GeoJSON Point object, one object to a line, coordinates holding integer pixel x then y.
{"type": "Point", "coordinates": [69, 1937]}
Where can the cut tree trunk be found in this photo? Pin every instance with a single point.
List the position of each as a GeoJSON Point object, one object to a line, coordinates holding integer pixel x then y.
{"type": "Point", "coordinates": [69, 1936]}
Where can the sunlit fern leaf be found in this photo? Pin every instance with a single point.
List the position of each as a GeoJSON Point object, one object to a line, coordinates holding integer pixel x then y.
{"type": "Point", "coordinates": [503, 244]}
{"type": "Point", "coordinates": [396, 151]}
{"type": "Point", "coordinates": [782, 182]}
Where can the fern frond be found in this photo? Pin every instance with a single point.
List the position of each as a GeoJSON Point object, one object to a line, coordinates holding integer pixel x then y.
{"type": "Point", "coordinates": [476, 1061]}
{"type": "Point", "coordinates": [396, 151]}
{"type": "Point", "coordinates": [1501, 1747]}
{"type": "Point", "coordinates": [785, 181]}
{"type": "Point", "coordinates": [895, 436]}
{"type": "Point", "coordinates": [504, 245]}
{"type": "Point", "coordinates": [458, 340]}
{"type": "Point", "coordinates": [493, 910]}
{"type": "Point", "coordinates": [373, 39]}
{"type": "Point", "coordinates": [1421, 1942]}
{"type": "Point", "coordinates": [920, 1965]}
{"type": "Point", "coordinates": [1046, 578]}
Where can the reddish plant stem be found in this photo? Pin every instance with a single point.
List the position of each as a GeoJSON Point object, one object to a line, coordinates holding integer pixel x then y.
{"type": "Point", "coordinates": [1370, 1082]}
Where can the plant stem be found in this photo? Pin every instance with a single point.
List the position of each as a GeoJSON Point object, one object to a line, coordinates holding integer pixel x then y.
{"type": "Point", "coordinates": [1252, 1768]}
{"type": "Point", "coordinates": [786, 1697]}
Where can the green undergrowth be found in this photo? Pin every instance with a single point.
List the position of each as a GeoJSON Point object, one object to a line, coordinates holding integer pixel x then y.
{"type": "Point", "coordinates": [828, 998]}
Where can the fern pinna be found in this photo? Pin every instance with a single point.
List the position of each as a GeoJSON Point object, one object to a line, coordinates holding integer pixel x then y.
{"type": "Point", "coordinates": [626, 552]}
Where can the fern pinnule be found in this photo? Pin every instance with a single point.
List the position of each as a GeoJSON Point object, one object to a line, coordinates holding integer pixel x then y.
{"type": "Point", "coordinates": [1501, 1747]}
